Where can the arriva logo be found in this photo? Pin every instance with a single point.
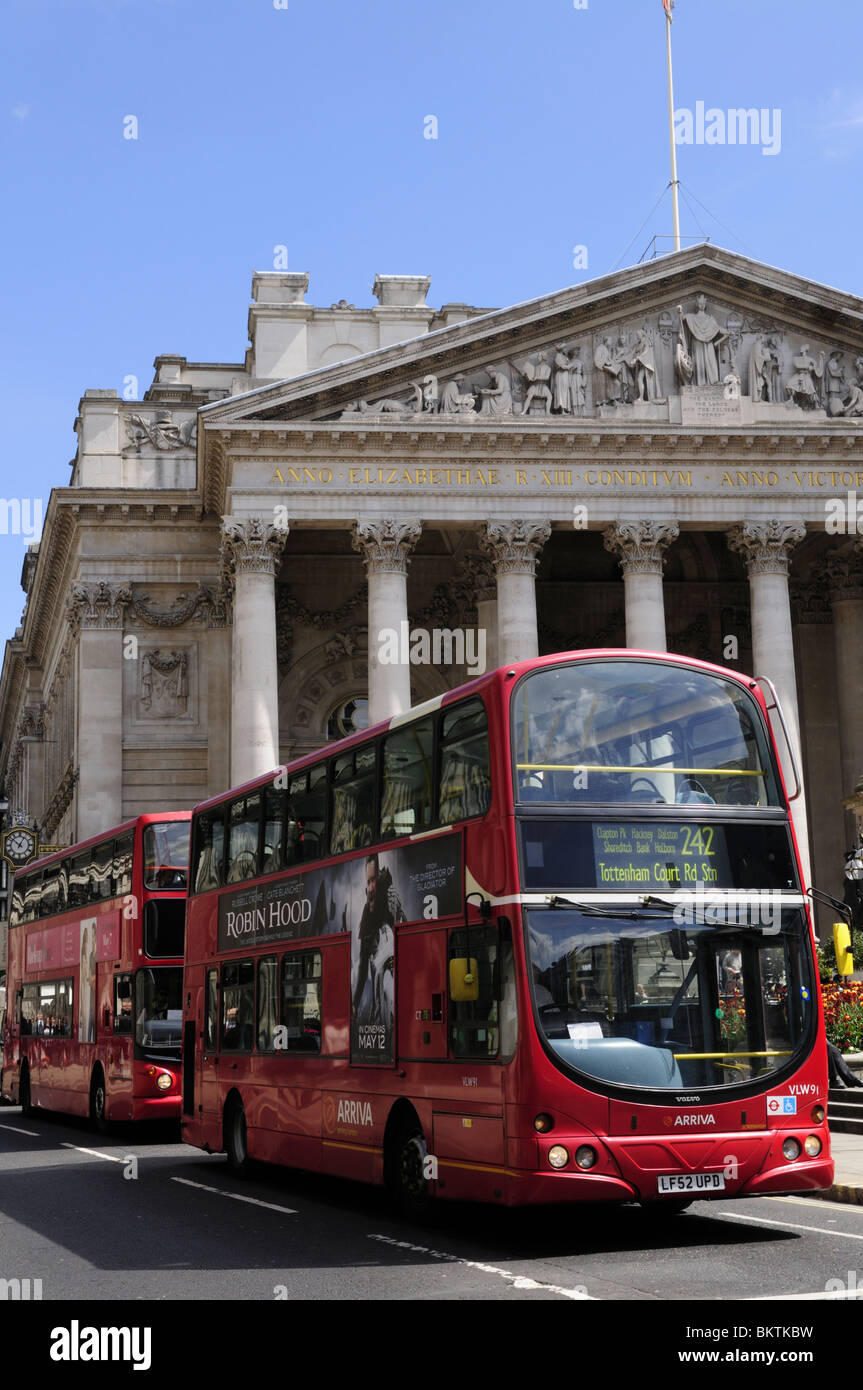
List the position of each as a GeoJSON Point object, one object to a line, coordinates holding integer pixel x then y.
{"type": "Point", "coordinates": [687, 1120]}
{"type": "Point", "coordinates": [355, 1112]}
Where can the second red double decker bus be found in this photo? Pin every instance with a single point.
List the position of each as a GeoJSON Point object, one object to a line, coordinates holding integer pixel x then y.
{"type": "Point", "coordinates": [95, 975]}
{"type": "Point", "coordinates": [543, 939]}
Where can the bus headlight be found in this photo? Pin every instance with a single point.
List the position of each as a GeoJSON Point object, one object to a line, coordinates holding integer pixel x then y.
{"type": "Point", "coordinates": [558, 1157]}
{"type": "Point", "coordinates": [585, 1156]}
{"type": "Point", "coordinates": [812, 1145]}
{"type": "Point", "coordinates": [164, 1081]}
{"type": "Point", "coordinates": [791, 1149]}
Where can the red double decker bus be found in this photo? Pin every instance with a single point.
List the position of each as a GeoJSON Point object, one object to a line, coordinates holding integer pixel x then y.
{"type": "Point", "coordinates": [95, 975]}
{"type": "Point", "coordinates": [542, 939]}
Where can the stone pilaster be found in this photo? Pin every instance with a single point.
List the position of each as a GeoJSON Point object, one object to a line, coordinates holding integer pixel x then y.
{"type": "Point", "coordinates": [251, 549]}
{"type": "Point", "coordinates": [640, 546]}
{"type": "Point", "coordinates": [513, 548]}
{"type": "Point", "coordinates": [386, 545]}
{"type": "Point", "coordinates": [766, 548]}
{"type": "Point", "coordinates": [96, 610]}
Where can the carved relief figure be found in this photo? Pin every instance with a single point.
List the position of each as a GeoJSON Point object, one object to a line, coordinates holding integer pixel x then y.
{"type": "Point", "coordinates": [497, 398]}
{"type": "Point", "coordinates": [802, 389]}
{"type": "Point", "coordinates": [643, 364]}
{"type": "Point", "coordinates": [622, 359]}
{"type": "Point", "coordinates": [760, 361]}
{"type": "Point", "coordinates": [731, 383]}
{"type": "Point", "coordinates": [834, 383]}
{"type": "Point", "coordinates": [539, 375]}
{"type": "Point", "coordinates": [577, 383]}
{"type": "Point", "coordinates": [561, 383]}
{"type": "Point", "coordinates": [452, 402]}
{"type": "Point", "coordinates": [430, 394]}
{"type": "Point", "coordinates": [606, 376]}
{"type": "Point", "coordinates": [161, 431]}
{"type": "Point", "coordinates": [854, 403]}
{"type": "Point", "coordinates": [702, 339]}
{"type": "Point", "coordinates": [164, 684]}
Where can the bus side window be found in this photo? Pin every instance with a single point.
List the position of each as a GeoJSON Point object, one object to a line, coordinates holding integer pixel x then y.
{"type": "Point", "coordinates": [79, 877]}
{"type": "Point", "coordinates": [408, 767]}
{"type": "Point", "coordinates": [101, 872]}
{"type": "Point", "coordinates": [209, 850]}
{"type": "Point", "coordinates": [122, 1003]}
{"type": "Point", "coordinates": [238, 1005]}
{"type": "Point", "coordinates": [274, 830]}
{"type": "Point", "coordinates": [245, 822]}
{"type": "Point", "coordinates": [123, 866]}
{"type": "Point", "coordinates": [474, 1024]}
{"type": "Point", "coordinates": [465, 775]}
{"type": "Point", "coordinates": [211, 1011]}
{"type": "Point", "coordinates": [268, 1003]}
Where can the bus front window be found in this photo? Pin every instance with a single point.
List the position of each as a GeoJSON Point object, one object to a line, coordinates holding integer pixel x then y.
{"type": "Point", "coordinates": [639, 732]}
{"type": "Point", "coordinates": [159, 1011]}
{"type": "Point", "coordinates": [166, 854]}
{"type": "Point", "coordinates": [651, 1005]}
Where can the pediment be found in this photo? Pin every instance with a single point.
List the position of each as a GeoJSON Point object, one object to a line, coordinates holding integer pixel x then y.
{"type": "Point", "coordinates": [699, 337]}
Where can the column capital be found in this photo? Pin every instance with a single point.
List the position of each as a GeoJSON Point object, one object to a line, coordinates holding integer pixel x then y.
{"type": "Point", "coordinates": [842, 573]}
{"type": "Point", "coordinates": [640, 545]}
{"type": "Point", "coordinates": [386, 544]}
{"type": "Point", "coordinates": [98, 604]}
{"type": "Point", "coordinates": [251, 545]}
{"type": "Point", "coordinates": [766, 545]}
{"type": "Point", "coordinates": [513, 546]}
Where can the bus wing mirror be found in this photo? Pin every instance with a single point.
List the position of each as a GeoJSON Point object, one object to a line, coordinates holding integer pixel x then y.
{"type": "Point", "coordinates": [463, 980]}
{"type": "Point", "coordinates": [842, 945]}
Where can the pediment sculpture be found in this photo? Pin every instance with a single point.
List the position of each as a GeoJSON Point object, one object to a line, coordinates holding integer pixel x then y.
{"type": "Point", "coordinates": [691, 362]}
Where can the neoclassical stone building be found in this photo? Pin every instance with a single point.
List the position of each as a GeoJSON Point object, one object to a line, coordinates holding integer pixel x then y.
{"type": "Point", "coordinates": [654, 459]}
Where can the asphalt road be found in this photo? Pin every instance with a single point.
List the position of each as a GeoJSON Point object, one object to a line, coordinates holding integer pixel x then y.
{"type": "Point", "coordinates": [137, 1217]}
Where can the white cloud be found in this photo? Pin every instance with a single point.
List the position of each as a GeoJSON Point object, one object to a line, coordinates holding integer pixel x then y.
{"type": "Point", "coordinates": [20, 111]}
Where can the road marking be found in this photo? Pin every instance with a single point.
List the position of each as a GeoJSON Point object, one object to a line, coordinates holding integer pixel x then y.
{"type": "Point", "coordinates": [518, 1281]}
{"type": "Point", "coordinates": [34, 1133]}
{"type": "Point", "coordinates": [810, 1297]}
{"type": "Point", "coordinates": [95, 1153]}
{"type": "Point", "coordinates": [792, 1226]}
{"type": "Point", "coordinates": [845, 1207]}
{"type": "Point", "coordinates": [236, 1196]}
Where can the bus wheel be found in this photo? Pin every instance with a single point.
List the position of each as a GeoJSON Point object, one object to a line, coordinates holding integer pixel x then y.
{"type": "Point", "coordinates": [410, 1186]}
{"type": "Point", "coordinates": [24, 1092]}
{"type": "Point", "coordinates": [99, 1102]}
{"type": "Point", "coordinates": [236, 1140]}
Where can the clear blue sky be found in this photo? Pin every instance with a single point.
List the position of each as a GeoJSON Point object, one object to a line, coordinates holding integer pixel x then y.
{"type": "Point", "coordinates": [304, 126]}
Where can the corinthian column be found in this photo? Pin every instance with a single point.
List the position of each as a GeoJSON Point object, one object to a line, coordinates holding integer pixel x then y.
{"type": "Point", "coordinates": [251, 548]}
{"type": "Point", "coordinates": [386, 546]}
{"type": "Point", "coordinates": [640, 547]}
{"type": "Point", "coordinates": [513, 547]}
{"type": "Point", "coordinates": [766, 548]}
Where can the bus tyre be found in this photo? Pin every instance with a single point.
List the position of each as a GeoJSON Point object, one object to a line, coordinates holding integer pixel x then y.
{"type": "Point", "coordinates": [99, 1102]}
{"type": "Point", "coordinates": [410, 1187]}
{"type": "Point", "coordinates": [24, 1099]}
{"type": "Point", "coordinates": [236, 1143]}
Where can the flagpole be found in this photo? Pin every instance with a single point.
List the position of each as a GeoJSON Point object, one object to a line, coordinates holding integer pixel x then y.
{"type": "Point", "coordinates": [675, 209]}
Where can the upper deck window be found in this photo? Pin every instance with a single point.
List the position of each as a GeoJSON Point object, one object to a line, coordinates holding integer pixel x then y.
{"type": "Point", "coordinates": [639, 732]}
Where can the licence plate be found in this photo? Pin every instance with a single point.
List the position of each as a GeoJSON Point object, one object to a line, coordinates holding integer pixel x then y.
{"type": "Point", "coordinates": [692, 1182]}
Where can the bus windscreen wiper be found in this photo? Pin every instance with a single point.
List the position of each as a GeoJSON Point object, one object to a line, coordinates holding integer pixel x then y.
{"type": "Point", "coordinates": [634, 914]}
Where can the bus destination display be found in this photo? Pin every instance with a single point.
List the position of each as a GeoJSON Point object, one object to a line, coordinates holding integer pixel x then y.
{"type": "Point", "coordinates": [659, 856]}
